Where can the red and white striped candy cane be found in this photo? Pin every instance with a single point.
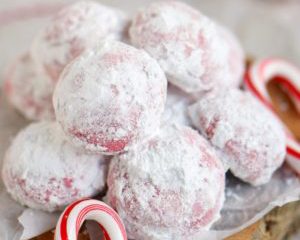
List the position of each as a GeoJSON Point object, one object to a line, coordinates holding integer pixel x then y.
{"type": "Point", "coordinates": [73, 217]}
{"type": "Point", "coordinates": [288, 75]}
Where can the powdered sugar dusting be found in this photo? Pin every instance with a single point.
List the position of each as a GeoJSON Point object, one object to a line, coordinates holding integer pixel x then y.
{"type": "Point", "coordinates": [250, 140]}
{"type": "Point", "coordinates": [185, 43]}
{"type": "Point", "coordinates": [110, 98]}
{"type": "Point", "coordinates": [43, 171]}
{"type": "Point", "coordinates": [74, 29]}
{"type": "Point", "coordinates": [236, 57]}
{"type": "Point", "coordinates": [168, 188]}
{"type": "Point", "coordinates": [176, 107]}
{"type": "Point", "coordinates": [29, 89]}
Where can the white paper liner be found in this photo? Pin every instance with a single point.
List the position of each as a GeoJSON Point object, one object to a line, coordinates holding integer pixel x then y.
{"type": "Point", "coordinates": [244, 204]}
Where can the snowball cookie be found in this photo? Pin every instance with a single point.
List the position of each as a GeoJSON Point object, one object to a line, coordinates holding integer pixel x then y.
{"type": "Point", "coordinates": [186, 44]}
{"type": "Point", "coordinates": [29, 89]}
{"type": "Point", "coordinates": [169, 188]}
{"type": "Point", "coordinates": [110, 98]}
{"type": "Point", "coordinates": [72, 30]}
{"type": "Point", "coordinates": [176, 109]}
{"type": "Point", "coordinates": [236, 57]}
{"type": "Point", "coordinates": [43, 171]}
{"type": "Point", "coordinates": [249, 138]}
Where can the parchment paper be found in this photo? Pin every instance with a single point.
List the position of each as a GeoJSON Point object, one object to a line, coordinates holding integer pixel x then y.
{"type": "Point", "coordinates": [257, 25]}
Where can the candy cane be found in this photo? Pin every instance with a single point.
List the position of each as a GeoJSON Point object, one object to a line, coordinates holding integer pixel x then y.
{"type": "Point", "coordinates": [288, 75]}
{"type": "Point", "coordinates": [72, 218]}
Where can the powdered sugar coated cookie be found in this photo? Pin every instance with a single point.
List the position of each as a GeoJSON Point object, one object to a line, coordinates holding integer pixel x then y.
{"type": "Point", "coordinates": [72, 30]}
{"type": "Point", "coordinates": [186, 44]}
{"type": "Point", "coordinates": [29, 89]}
{"type": "Point", "coordinates": [249, 138]}
{"type": "Point", "coordinates": [43, 171]}
{"type": "Point", "coordinates": [110, 98]}
{"type": "Point", "coordinates": [168, 188]}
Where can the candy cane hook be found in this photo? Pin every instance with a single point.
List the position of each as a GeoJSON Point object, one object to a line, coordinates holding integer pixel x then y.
{"type": "Point", "coordinates": [75, 214]}
{"type": "Point", "coordinates": [256, 79]}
